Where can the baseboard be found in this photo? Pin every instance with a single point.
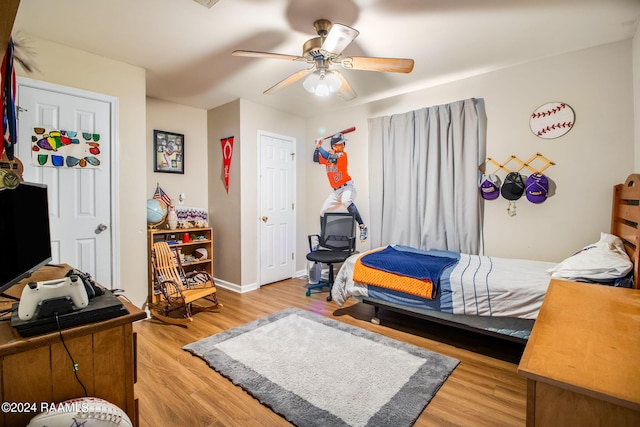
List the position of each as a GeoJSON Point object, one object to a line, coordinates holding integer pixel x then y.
{"type": "Point", "coordinates": [235, 287]}
{"type": "Point", "coordinates": [253, 286]}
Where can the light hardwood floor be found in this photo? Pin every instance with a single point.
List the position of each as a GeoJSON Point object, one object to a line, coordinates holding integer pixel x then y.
{"type": "Point", "coordinates": [178, 389]}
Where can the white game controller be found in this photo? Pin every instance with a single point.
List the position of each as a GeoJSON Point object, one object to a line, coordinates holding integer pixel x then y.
{"type": "Point", "coordinates": [35, 293]}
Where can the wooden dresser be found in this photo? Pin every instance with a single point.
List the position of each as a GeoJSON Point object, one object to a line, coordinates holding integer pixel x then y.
{"type": "Point", "coordinates": [582, 361]}
{"type": "Point", "coordinates": [38, 369]}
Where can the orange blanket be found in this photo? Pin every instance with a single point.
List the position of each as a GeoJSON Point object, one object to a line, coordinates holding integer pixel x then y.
{"type": "Point", "coordinates": [420, 287]}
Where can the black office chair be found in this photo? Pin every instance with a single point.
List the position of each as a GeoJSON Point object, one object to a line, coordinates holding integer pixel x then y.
{"type": "Point", "coordinates": [335, 243]}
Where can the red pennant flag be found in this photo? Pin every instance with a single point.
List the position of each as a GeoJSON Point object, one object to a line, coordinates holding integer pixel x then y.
{"type": "Point", "coordinates": [227, 152]}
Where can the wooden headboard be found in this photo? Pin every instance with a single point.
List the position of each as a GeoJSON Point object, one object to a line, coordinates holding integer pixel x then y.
{"type": "Point", "coordinates": [625, 220]}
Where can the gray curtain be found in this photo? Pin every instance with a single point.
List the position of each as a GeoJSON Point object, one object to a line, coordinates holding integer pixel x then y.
{"type": "Point", "coordinates": [423, 172]}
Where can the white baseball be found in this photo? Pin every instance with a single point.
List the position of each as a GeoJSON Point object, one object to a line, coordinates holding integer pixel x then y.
{"type": "Point", "coordinates": [552, 120]}
{"type": "Point", "coordinates": [83, 411]}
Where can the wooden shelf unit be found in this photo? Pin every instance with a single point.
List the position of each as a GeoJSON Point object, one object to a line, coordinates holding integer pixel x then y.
{"type": "Point", "coordinates": [199, 238]}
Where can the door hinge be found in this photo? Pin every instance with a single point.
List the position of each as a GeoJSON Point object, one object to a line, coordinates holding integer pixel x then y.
{"type": "Point", "coordinates": [293, 206]}
{"type": "Point", "coordinates": [292, 256]}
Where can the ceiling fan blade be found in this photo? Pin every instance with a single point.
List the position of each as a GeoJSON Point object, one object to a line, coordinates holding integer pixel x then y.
{"type": "Point", "coordinates": [288, 81]}
{"type": "Point", "coordinates": [255, 54]}
{"type": "Point", "coordinates": [345, 92]}
{"type": "Point", "coordinates": [389, 65]}
{"type": "Point", "coordinates": [339, 37]}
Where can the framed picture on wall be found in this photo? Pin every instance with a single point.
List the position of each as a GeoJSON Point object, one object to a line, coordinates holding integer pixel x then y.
{"type": "Point", "coordinates": [168, 152]}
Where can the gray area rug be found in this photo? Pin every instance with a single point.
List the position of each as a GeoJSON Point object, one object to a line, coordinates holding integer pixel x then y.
{"type": "Point", "coordinates": [316, 371]}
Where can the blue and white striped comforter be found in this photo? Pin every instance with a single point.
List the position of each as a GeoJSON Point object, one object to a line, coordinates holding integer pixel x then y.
{"type": "Point", "coordinates": [475, 285]}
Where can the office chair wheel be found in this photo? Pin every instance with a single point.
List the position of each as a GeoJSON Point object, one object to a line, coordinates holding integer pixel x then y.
{"type": "Point", "coordinates": [329, 298]}
{"type": "Point", "coordinates": [308, 292]}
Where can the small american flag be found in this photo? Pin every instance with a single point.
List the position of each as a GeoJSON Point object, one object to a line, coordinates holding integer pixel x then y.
{"type": "Point", "coordinates": [160, 194]}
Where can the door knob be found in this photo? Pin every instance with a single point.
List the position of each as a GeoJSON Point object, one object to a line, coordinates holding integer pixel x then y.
{"type": "Point", "coordinates": [264, 219]}
{"type": "Point", "coordinates": [101, 228]}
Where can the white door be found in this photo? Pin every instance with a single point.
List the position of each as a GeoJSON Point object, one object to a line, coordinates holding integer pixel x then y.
{"type": "Point", "coordinates": [79, 199]}
{"type": "Point", "coordinates": [277, 207]}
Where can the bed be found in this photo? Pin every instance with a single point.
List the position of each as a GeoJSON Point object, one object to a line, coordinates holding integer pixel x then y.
{"type": "Point", "coordinates": [493, 296]}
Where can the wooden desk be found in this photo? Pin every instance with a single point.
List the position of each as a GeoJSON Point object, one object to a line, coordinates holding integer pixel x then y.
{"type": "Point", "coordinates": [38, 369]}
{"type": "Point", "coordinates": [582, 361]}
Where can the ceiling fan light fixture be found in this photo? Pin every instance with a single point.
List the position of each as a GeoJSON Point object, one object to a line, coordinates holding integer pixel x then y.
{"type": "Point", "coordinates": [311, 82]}
{"type": "Point", "coordinates": [322, 84]}
{"type": "Point", "coordinates": [323, 52]}
{"type": "Point", "coordinates": [333, 81]}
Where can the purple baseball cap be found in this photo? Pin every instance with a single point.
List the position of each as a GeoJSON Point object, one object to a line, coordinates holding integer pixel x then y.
{"type": "Point", "coordinates": [537, 188]}
{"type": "Point", "coordinates": [490, 187]}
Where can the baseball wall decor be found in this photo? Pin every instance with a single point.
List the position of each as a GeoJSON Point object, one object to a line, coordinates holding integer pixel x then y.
{"type": "Point", "coordinates": [552, 120]}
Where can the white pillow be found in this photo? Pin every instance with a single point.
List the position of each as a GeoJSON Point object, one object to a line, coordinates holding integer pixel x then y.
{"type": "Point", "coordinates": [603, 260]}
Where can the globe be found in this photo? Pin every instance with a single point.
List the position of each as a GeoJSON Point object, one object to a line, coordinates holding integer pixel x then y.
{"type": "Point", "coordinates": [156, 212]}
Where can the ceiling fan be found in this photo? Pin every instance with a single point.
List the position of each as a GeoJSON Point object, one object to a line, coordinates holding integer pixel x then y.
{"type": "Point", "coordinates": [323, 52]}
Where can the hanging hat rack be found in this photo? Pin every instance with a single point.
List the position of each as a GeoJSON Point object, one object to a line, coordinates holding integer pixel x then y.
{"type": "Point", "coordinates": [507, 167]}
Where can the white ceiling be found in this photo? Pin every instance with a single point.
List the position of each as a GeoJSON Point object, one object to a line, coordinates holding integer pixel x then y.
{"type": "Point", "coordinates": [186, 47]}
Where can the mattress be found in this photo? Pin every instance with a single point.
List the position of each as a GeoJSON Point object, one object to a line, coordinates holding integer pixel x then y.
{"type": "Point", "coordinates": [474, 285]}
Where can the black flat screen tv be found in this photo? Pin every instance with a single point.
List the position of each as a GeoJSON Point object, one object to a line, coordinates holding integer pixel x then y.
{"type": "Point", "coordinates": [25, 236]}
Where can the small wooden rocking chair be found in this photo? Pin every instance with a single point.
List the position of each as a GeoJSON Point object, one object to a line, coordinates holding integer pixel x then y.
{"type": "Point", "coordinates": [178, 290]}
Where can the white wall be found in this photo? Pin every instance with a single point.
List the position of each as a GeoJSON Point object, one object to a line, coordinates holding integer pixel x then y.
{"type": "Point", "coordinates": [137, 118]}
{"type": "Point", "coordinates": [192, 123]}
{"type": "Point", "coordinates": [254, 117]}
{"type": "Point", "coordinates": [636, 95]}
{"type": "Point", "coordinates": [596, 154]}
{"type": "Point", "coordinates": [78, 69]}
{"type": "Point", "coordinates": [225, 207]}
{"type": "Point", "coordinates": [235, 215]}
